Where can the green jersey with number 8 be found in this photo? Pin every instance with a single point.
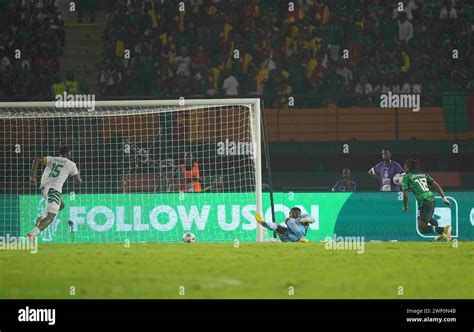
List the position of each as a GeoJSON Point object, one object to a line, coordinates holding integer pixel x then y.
{"type": "Point", "coordinates": [418, 183]}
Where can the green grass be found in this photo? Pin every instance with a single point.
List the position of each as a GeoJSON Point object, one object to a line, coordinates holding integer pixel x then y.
{"type": "Point", "coordinates": [256, 270]}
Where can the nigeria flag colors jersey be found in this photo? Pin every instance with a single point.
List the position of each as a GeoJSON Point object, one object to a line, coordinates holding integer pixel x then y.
{"type": "Point", "coordinates": [418, 183]}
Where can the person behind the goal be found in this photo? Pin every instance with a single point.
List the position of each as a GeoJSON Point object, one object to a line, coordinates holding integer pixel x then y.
{"type": "Point", "coordinates": [56, 172]}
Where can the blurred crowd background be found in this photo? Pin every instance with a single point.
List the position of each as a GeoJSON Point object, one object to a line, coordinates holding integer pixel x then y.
{"type": "Point", "coordinates": [332, 51]}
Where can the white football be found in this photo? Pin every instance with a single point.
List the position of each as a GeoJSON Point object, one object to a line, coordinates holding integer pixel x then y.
{"type": "Point", "coordinates": [189, 237]}
{"type": "Point", "coordinates": [397, 178]}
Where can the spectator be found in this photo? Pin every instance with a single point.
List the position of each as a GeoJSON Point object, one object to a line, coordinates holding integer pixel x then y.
{"type": "Point", "coordinates": [5, 64]}
{"type": "Point", "coordinates": [190, 173]}
{"type": "Point", "coordinates": [333, 84]}
{"type": "Point", "coordinates": [411, 86]}
{"type": "Point", "coordinates": [284, 92]}
{"type": "Point", "coordinates": [86, 5]}
{"type": "Point", "coordinates": [405, 29]}
{"type": "Point", "coordinates": [71, 85]}
{"type": "Point", "coordinates": [385, 170]}
{"type": "Point", "coordinates": [388, 30]}
{"type": "Point", "coordinates": [183, 63]}
{"type": "Point", "coordinates": [200, 60]}
{"type": "Point", "coordinates": [386, 86]}
{"type": "Point", "coordinates": [448, 11]}
{"type": "Point", "coordinates": [346, 184]}
{"type": "Point", "coordinates": [230, 86]}
{"type": "Point", "coordinates": [110, 80]}
{"type": "Point", "coordinates": [346, 73]}
{"type": "Point", "coordinates": [364, 87]}
{"type": "Point", "coordinates": [334, 35]}
{"type": "Point", "coordinates": [57, 88]}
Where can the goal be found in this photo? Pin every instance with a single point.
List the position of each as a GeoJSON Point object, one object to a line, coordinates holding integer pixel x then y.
{"type": "Point", "coordinates": [151, 170]}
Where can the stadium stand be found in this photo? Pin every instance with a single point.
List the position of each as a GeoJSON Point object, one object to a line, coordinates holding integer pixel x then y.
{"type": "Point", "coordinates": [31, 41]}
{"type": "Point", "coordinates": [282, 52]}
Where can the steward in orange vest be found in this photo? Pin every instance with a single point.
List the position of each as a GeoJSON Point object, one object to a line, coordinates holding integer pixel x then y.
{"type": "Point", "coordinates": [191, 175]}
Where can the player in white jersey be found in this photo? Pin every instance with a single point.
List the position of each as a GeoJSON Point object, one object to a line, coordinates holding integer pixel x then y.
{"type": "Point", "coordinates": [57, 171]}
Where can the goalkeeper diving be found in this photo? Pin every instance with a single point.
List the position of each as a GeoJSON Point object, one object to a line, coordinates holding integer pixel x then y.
{"type": "Point", "coordinates": [297, 225]}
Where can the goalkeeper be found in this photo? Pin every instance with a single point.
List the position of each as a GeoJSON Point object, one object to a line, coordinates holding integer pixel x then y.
{"type": "Point", "coordinates": [296, 226]}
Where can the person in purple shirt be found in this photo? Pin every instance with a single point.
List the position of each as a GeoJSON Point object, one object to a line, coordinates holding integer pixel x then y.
{"type": "Point", "coordinates": [384, 171]}
{"type": "Point", "coordinates": [346, 184]}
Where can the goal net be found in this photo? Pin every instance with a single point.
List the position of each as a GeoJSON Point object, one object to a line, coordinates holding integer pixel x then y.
{"type": "Point", "coordinates": [151, 170]}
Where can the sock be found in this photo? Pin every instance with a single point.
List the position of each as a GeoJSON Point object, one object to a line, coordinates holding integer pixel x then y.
{"type": "Point", "coordinates": [439, 230]}
{"type": "Point", "coordinates": [272, 225]}
{"type": "Point", "coordinates": [35, 231]}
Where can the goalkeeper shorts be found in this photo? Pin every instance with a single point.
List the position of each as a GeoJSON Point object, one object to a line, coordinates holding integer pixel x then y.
{"type": "Point", "coordinates": [52, 198]}
{"type": "Point", "coordinates": [293, 232]}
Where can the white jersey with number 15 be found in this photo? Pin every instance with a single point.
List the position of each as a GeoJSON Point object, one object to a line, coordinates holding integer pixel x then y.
{"type": "Point", "coordinates": [57, 170]}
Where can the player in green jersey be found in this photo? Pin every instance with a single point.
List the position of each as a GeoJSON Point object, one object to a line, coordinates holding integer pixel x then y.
{"type": "Point", "coordinates": [419, 183]}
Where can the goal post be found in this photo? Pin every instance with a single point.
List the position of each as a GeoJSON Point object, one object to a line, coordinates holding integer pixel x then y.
{"type": "Point", "coordinates": [152, 169]}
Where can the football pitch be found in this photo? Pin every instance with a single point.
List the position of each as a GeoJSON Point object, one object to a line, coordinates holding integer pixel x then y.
{"type": "Point", "coordinates": [403, 270]}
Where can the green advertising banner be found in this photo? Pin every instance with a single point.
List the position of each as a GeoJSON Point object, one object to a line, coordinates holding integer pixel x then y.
{"type": "Point", "coordinates": [379, 217]}
{"type": "Point", "coordinates": [9, 215]}
{"type": "Point", "coordinates": [228, 217]}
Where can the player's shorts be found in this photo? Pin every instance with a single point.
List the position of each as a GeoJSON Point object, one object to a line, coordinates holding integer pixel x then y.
{"type": "Point", "coordinates": [52, 198]}
{"type": "Point", "coordinates": [426, 209]}
{"type": "Point", "coordinates": [293, 232]}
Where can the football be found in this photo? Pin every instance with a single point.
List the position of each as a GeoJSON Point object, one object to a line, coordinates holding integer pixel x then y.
{"type": "Point", "coordinates": [397, 178]}
{"type": "Point", "coordinates": [189, 237]}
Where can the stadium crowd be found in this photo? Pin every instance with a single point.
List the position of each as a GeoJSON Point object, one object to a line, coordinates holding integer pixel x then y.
{"type": "Point", "coordinates": [280, 48]}
{"type": "Point", "coordinates": [31, 41]}
{"type": "Point", "coordinates": [347, 51]}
